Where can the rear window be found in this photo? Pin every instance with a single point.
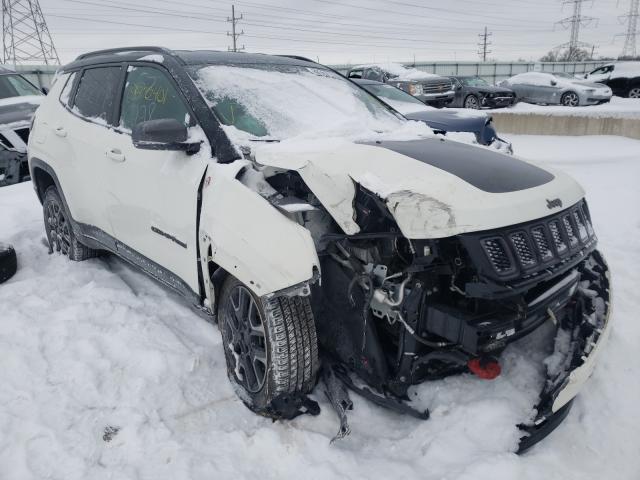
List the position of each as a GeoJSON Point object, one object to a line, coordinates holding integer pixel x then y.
{"type": "Point", "coordinates": [97, 92]}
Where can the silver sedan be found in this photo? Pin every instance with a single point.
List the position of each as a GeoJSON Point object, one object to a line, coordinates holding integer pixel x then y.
{"type": "Point", "coordinates": [557, 88]}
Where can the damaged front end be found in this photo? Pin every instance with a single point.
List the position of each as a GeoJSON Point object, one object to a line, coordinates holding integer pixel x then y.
{"type": "Point", "coordinates": [393, 312]}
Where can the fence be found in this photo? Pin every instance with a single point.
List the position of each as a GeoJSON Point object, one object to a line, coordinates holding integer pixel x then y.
{"type": "Point", "coordinates": [494, 72]}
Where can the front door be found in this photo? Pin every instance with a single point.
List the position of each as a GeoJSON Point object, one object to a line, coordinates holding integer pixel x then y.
{"type": "Point", "coordinates": [153, 194]}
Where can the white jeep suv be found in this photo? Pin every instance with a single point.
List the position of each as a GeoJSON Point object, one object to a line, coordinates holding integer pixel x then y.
{"type": "Point", "coordinates": [309, 218]}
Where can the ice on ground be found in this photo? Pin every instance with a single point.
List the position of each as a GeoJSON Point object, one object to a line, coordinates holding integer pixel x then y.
{"type": "Point", "coordinates": [107, 375]}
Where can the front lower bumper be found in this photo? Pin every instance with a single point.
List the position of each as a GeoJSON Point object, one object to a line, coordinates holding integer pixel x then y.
{"type": "Point", "coordinates": [580, 338]}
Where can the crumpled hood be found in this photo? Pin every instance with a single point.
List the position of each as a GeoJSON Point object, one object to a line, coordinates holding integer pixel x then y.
{"type": "Point", "coordinates": [433, 187]}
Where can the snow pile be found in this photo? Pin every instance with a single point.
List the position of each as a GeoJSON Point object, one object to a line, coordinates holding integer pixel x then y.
{"type": "Point", "coordinates": [105, 374]}
{"type": "Point", "coordinates": [616, 108]}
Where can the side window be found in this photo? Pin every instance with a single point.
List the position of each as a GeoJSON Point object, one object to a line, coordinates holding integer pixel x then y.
{"type": "Point", "coordinates": [65, 95]}
{"type": "Point", "coordinates": [355, 74]}
{"type": "Point", "coordinates": [372, 74]}
{"type": "Point", "coordinates": [97, 92]}
{"type": "Point", "coordinates": [150, 95]}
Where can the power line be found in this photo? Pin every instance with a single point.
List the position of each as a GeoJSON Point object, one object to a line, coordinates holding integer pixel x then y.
{"type": "Point", "coordinates": [631, 19]}
{"type": "Point", "coordinates": [574, 22]}
{"type": "Point", "coordinates": [484, 44]}
{"type": "Point", "coordinates": [234, 35]}
{"type": "Point", "coordinates": [25, 35]}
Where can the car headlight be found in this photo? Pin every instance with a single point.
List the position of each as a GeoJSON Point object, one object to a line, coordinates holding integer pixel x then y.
{"type": "Point", "coordinates": [590, 90]}
{"type": "Point", "coordinates": [415, 89]}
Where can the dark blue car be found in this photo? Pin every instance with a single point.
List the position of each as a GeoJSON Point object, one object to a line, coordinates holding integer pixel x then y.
{"type": "Point", "coordinates": [442, 121]}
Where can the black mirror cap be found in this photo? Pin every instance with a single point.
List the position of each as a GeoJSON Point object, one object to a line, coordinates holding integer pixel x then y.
{"type": "Point", "coordinates": [163, 134]}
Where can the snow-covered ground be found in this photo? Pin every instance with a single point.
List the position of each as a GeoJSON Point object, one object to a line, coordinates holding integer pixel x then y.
{"type": "Point", "coordinates": [617, 108]}
{"type": "Point", "coordinates": [106, 375]}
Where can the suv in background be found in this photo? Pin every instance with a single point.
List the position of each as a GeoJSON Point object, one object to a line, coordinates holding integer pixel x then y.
{"type": "Point", "coordinates": [307, 216]}
{"type": "Point", "coordinates": [19, 99]}
{"type": "Point", "coordinates": [429, 88]}
{"type": "Point", "coordinates": [623, 78]}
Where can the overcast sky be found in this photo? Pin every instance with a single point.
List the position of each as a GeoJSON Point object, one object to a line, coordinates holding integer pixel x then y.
{"type": "Point", "coordinates": [335, 31]}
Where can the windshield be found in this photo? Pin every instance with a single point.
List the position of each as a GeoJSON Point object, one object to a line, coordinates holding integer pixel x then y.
{"type": "Point", "coordinates": [474, 82]}
{"type": "Point", "coordinates": [285, 101]}
{"type": "Point", "coordinates": [16, 86]}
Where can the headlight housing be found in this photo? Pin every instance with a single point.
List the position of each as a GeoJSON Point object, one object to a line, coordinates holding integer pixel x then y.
{"type": "Point", "coordinates": [416, 89]}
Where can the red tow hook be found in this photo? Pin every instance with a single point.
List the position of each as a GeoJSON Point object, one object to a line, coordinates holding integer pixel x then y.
{"type": "Point", "coordinates": [486, 368]}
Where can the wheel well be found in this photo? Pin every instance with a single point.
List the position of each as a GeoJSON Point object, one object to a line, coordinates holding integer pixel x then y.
{"type": "Point", "coordinates": [42, 181]}
{"type": "Point", "coordinates": [217, 276]}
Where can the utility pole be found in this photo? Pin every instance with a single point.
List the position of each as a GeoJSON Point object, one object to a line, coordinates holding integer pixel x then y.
{"type": "Point", "coordinates": [484, 44]}
{"type": "Point", "coordinates": [631, 19]}
{"type": "Point", "coordinates": [574, 22]}
{"type": "Point", "coordinates": [25, 35]}
{"type": "Point", "coordinates": [234, 34]}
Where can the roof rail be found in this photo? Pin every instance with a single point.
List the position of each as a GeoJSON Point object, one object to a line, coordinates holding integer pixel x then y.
{"type": "Point", "coordinates": [298, 57]}
{"type": "Point", "coordinates": [124, 49]}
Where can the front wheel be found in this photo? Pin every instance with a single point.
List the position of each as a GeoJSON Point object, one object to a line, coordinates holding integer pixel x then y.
{"type": "Point", "coordinates": [634, 92]}
{"type": "Point", "coordinates": [270, 346]}
{"type": "Point", "coordinates": [570, 99]}
{"type": "Point", "coordinates": [471, 102]}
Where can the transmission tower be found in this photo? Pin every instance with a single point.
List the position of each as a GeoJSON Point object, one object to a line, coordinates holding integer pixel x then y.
{"type": "Point", "coordinates": [234, 34]}
{"type": "Point", "coordinates": [484, 44]}
{"type": "Point", "coordinates": [25, 35]}
{"type": "Point", "coordinates": [631, 19]}
{"type": "Point", "coordinates": [574, 23]}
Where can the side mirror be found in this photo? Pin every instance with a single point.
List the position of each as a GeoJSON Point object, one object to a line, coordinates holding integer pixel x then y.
{"type": "Point", "coordinates": [553, 83]}
{"type": "Point", "coordinates": [44, 90]}
{"type": "Point", "coordinates": [163, 134]}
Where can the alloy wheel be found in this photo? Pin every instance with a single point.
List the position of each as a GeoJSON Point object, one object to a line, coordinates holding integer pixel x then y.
{"type": "Point", "coordinates": [58, 229]}
{"type": "Point", "coordinates": [634, 92]}
{"type": "Point", "coordinates": [244, 335]}
{"type": "Point", "coordinates": [471, 102]}
{"type": "Point", "coordinates": [570, 99]}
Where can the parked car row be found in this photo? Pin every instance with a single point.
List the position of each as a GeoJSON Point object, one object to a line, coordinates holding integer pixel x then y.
{"type": "Point", "coordinates": [315, 224]}
{"type": "Point", "coordinates": [474, 92]}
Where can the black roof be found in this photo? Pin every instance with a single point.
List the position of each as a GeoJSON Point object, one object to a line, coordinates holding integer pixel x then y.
{"type": "Point", "coordinates": [185, 57]}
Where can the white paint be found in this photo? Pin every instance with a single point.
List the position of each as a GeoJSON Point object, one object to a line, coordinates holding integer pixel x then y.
{"type": "Point", "coordinates": [427, 202]}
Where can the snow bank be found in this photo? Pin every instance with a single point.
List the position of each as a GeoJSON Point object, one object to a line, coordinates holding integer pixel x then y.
{"type": "Point", "coordinates": [107, 375]}
{"type": "Point", "coordinates": [616, 108]}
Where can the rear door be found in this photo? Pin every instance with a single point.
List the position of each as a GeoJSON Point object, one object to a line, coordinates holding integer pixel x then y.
{"type": "Point", "coordinates": [153, 194]}
{"type": "Point", "coordinates": [85, 133]}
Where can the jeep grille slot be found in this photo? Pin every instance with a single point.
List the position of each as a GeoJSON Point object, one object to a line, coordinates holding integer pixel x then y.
{"type": "Point", "coordinates": [526, 249]}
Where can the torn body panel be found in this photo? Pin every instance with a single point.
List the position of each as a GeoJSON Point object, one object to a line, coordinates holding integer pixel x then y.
{"type": "Point", "coordinates": [426, 201]}
{"type": "Point", "coordinates": [249, 238]}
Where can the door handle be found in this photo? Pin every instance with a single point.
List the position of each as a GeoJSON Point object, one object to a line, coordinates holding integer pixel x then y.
{"type": "Point", "coordinates": [115, 154]}
{"type": "Point", "coordinates": [61, 132]}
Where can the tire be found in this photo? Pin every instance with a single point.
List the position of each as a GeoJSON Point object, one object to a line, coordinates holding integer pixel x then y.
{"type": "Point", "coordinates": [8, 262]}
{"type": "Point", "coordinates": [570, 99]}
{"type": "Point", "coordinates": [59, 230]}
{"type": "Point", "coordinates": [471, 102]}
{"type": "Point", "coordinates": [634, 92]}
{"type": "Point", "coordinates": [270, 347]}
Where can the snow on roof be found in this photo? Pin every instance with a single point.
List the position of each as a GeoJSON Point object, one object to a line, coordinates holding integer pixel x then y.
{"type": "Point", "coordinates": [402, 72]}
{"type": "Point", "coordinates": [153, 58]}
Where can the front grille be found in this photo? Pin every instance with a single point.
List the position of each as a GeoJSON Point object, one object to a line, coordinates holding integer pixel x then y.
{"type": "Point", "coordinates": [523, 250]}
{"type": "Point", "coordinates": [436, 87]}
